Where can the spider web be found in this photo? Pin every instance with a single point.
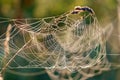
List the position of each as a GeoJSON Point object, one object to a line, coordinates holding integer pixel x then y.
{"type": "Point", "coordinates": [69, 41]}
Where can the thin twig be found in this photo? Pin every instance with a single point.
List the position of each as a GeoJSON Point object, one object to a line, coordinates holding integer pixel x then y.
{"type": "Point", "coordinates": [6, 43]}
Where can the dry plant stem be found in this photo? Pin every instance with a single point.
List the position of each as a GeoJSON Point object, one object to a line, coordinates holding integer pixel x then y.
{"type": "Point", "coordinates": [6, 46]}
{"type": "Point", "coordinates": [6, 43]}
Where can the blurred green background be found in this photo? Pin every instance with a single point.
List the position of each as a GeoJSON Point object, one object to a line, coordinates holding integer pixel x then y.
{"type": "Point", "coordinates": [41, 8]}
{"type": "Point", "coordinates": [107, 11]}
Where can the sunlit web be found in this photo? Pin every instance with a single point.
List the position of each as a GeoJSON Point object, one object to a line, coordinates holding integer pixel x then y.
{"type": "Point", "coordinates": [72, 41]}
